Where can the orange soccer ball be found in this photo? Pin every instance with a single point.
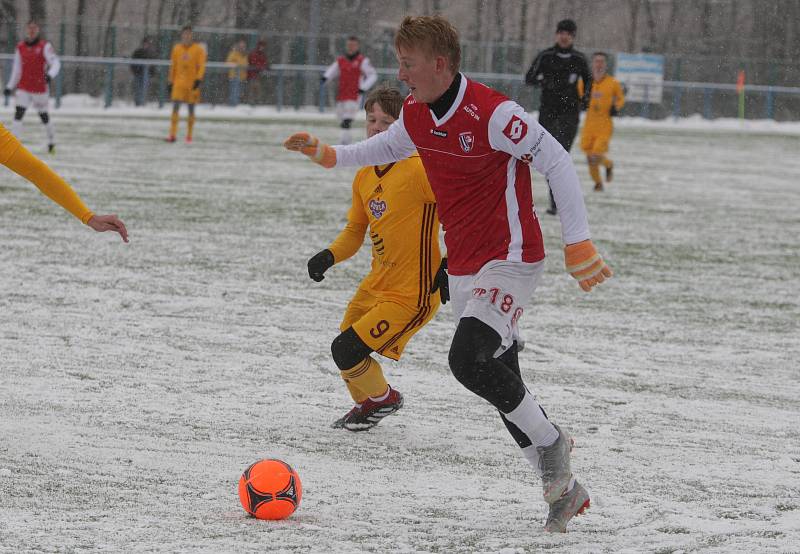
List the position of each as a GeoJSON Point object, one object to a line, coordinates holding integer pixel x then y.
{"type": "Point", "coordinates": [270, 489]}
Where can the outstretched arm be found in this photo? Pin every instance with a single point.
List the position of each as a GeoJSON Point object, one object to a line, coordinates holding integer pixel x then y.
{"type": "Point", "coordinates": [392, 145]}
{"type": "Point", "coordinates": [18, 159]}
{"type": "Point", "coordinates": [514, 131]}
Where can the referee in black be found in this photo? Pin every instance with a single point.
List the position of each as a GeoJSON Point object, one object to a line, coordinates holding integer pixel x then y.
{"type": "Point", "coordinates": [557, 70]}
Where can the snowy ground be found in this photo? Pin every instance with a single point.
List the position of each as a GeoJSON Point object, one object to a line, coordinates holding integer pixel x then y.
{"type": "Point", "coordinates": [137, 381]}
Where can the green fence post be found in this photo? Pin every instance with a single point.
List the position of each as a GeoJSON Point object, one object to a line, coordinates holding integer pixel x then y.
{"type": "Point", "coordinates": [279, 92]}
{"type": "Point", "coordinates": [109, 85]}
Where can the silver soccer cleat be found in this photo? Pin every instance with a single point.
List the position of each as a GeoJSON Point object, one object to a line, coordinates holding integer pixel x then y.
{"type": "Point", "coordinates": [554, 465]}
{"type": "Point", "coordinates": [571, 504]}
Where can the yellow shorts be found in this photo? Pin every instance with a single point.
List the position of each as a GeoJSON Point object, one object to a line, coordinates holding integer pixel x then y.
{"type": "Point", "coordinates": [595, 143]}
{"type": "Point", "coordinates": [386, 326]}
{"type": "Point", "coordinates": [183, 92]}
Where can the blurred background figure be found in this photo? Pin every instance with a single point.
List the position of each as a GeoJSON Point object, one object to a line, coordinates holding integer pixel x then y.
{"type": "Point", "coordinates": [35, 65]}
{"type": "Point", "coordinates": [558, 70]}
{"type": "Point", "coordinates": [356, 75]}
{"type": "Point", "coordinates": [606, 102]}
{"type": "Point", "coordinates": [237, 75]}
{"type": "Point", "coordinates": [142, 74]}
{"type": "Point", "coordinates": [257, 67]}
{"type": "Point", "coordinates": [186, 71]}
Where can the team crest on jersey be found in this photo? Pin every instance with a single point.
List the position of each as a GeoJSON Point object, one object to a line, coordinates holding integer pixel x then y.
{"type": "Point", "coordinates": [516, 130]}
{"type": "Point", "coordinates": [377, 207]}
{"type": "Point", "coordinates": [466, 140]}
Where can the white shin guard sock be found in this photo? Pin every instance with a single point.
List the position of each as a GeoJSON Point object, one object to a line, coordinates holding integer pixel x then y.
{"type": "Point", "coordinates": [530, 419]}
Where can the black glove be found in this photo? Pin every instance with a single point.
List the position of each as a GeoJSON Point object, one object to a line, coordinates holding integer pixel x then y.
{"type": "Point", "coordinates": [169, 89]}
{"type": "Point", "coordinates": [360, 91]}
{"type": "Point", "coordinates": [7, 92]}
{"type": "Point", "coordinates": [319, 264]}
{"type": "Point", "coordinates": [584, 104]}
{"type": "Point", "coordinates": [47, 78]}
{"type": "Point", "coordinates": [613, 111]}
{"type": "Point", "coordinates": [322, 79]}
{"type": "Point", "coordinates": [441, 282]}
{"type": "Point", "coordinates": [196, 84]}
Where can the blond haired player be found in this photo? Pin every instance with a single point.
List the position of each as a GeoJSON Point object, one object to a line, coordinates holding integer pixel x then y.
{"type": "Point", "coordinates": [607, 99]}
{"type": "Point", "coordinates": [18, 159]}
{"type": "Point", "coordinates": [396, 299]}
{"type": "Point", "coordinates": [476, 146]}
{"type": "Point", "coordinates": [186, 72]}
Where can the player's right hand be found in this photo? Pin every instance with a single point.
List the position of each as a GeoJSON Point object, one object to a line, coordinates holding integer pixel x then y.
{"type": "Point", "coordinates": [111, 222]}
{"type": "Point", "coordinates": [441, 282]}
{"type": "Point", "coordinates": [7, 92]}
{"type": "Point", "coordinates": [310, 145]}
{"type": "Point", "coordinates": [319, 264]}
{"type": "Point", "coordinates": [169, 89]}
{"type": "Point", "coordinates": [585, 264]}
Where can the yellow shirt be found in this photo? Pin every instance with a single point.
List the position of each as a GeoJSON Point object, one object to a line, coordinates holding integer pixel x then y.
{"type": "Point", "coordinates": [237, 58]}
{"type": "Point", "coordinates": [397, 204]}
{"type": "Point", "coordinates": [18, 159]}
{"type": "Point", "coordinates": [188, 64]}
{"type": "Point", "coordinates": [606, 92]}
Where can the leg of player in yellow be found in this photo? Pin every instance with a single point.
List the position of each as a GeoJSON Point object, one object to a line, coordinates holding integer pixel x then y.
{"type": "Point", "coordinates": [190, 123]}
{"type": "Point", "coordinates": [173, 121]}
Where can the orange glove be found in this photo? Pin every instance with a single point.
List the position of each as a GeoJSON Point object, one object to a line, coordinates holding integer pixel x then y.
{"type": "Point", "coordinates": [310, 145]}
{"type": "Point", "coordinates": [585, 264]}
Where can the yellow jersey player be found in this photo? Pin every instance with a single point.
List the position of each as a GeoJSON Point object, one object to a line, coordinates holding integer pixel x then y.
{"type": "Point", "coordinates": [18, 159]}
{"type": "Point", "coordinates": [186, 72]}
{"type": "Point", "coordinates": [396, 298]}
{"type": "Point", "coordinates": [607, 99]}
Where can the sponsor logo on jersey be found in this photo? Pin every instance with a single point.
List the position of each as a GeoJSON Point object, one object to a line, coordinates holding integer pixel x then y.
{"type": "Point", "coordinates": [472, 110]}
{"type": "Point", "coordinates": [378, 190]}
{"type": "Point", "coordinates": [516, 130]}
{"type": "Point", "coordinates": [439, 133]}
{"type": "Point", "coordinates": [466, 140]}
{"type": "Point", "coordinates": [377, 207]}
{"type": "Point", "coordinates": [527, 158]}
{"type": "Point", "coordinates": [395, 350]}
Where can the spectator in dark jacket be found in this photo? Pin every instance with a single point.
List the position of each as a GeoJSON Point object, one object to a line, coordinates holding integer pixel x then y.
{"type": "Point", "coordinates": [258, 65]}
{"type": "Point", "coordinates": [557, 70]}
{"type": "Point", "coordinates": [142, 73]}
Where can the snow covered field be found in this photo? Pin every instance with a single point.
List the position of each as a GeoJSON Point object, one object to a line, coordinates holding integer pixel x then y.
{"type": "Point", "coordinates": [137, 381]}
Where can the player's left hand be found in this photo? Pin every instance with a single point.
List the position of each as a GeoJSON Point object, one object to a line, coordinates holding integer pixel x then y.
{"type": "Point", "coordinates": [196, 84]}
{"type": "Point", "coordinates": [613, 112]}
{"type": "Point", "coordinates": [319, 264]}
{"type": "Point", "coordinates": [310, 145]}
{"type": "Point", "coordinates": [441, 282]}
{"type": "Point", "coordinates": [101, 223]}
{"type": "Point", "coordinates": [585, 264]}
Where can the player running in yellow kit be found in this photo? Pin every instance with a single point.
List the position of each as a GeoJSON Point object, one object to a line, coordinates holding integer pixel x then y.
{"type": "Point", "coordinates": [186, 72]}
{"type": "Point", "coordinates": [607, 99]}
{"type": "Point", "coordinates": [18, 159]}
{"type": "Point", "coordinates": [396, 298]}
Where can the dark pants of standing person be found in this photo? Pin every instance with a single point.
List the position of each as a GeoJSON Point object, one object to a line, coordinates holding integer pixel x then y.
{"type": "Point", "coordinates": [563, 127]}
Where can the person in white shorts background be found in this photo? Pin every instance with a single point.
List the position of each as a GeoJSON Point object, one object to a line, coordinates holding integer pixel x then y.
{"type": "Point", "coordinates": [356, 76]}
{"type": "Point", "coordinates": [35, 65]}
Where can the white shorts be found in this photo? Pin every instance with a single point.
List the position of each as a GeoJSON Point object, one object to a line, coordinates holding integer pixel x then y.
{"type": "Point", "coordinates": [496, 295]}
{"type": "Point", "coordinates": [40, 101]}
{"type": "Point", "coordinates": [347, 109]}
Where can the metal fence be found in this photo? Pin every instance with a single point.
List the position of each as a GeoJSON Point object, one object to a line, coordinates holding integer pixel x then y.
{"type": "Point", "coordinates": [293, 86]}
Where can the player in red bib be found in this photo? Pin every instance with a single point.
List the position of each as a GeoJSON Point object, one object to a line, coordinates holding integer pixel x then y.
{"type": "Point", "coordinates": [356, 75]}
{"type": "Point", "coordinates": [476, 146]}
{"type": "Point", "coordinates": [35, 65]}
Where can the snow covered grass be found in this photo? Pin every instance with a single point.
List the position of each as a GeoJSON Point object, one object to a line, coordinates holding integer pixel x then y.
{"type": "Point", "coordinates": [137, 381]}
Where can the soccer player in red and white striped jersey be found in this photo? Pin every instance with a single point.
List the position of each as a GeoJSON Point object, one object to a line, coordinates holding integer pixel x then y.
{"type": "Point", "coordinates": [356, 76]}
{"type": "Point", "coordinates": [35, 65]}
{"type": "Point", "coordinates": [476, 146]}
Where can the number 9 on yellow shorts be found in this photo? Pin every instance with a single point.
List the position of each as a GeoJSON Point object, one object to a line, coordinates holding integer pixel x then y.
{"type": "Point", "coordinates": [386, 326]}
